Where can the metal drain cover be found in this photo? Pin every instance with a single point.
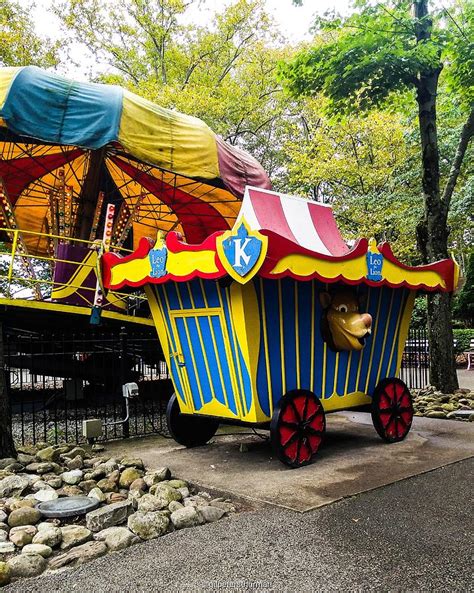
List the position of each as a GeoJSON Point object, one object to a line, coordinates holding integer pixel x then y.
{"type": "Point", "coordinates": [70, 506]}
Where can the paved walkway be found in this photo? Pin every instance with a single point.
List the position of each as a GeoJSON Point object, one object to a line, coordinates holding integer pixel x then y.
{"type": "Point", "coordinates": [415, 535]}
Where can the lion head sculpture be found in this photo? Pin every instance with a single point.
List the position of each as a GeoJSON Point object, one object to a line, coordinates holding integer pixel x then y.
{"type": "Point", "coordinates": [342, 325]}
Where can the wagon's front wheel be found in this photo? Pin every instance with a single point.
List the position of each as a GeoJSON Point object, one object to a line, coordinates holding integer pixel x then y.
{"type": "Point", "coordinates": [392, 410]}
{"type": "Point", "coordinates": [297, 428]}
{"type": "Point", "coordinates": [186, 429]}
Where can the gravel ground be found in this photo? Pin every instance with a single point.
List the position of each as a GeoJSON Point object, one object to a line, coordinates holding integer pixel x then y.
{"type": "Point", "coordinates": [414, 535]}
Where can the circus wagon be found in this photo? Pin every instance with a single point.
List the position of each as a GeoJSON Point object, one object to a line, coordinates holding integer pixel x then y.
{"type": "Point", "coordinates": [276, 321]}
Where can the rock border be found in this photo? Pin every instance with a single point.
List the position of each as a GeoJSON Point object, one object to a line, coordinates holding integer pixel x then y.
{"type": "Point", "coordinates": [135, 504]}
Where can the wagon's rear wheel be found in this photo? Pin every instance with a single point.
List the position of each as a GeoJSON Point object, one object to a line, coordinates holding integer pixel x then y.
{"type": "Point", "coordinates": [297, 428]}
{"type": "Point", "coordinates": [392, 410]}
{"type": "Point", "coordinates": [187, 430]}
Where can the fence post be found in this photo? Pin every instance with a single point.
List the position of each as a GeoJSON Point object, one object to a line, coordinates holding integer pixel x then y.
{"type": "Point", "coordinates": [123, 378]}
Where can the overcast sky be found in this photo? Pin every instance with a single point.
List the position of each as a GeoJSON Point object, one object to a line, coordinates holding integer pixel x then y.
{"type": "Point", "coordinates": [294, 21]}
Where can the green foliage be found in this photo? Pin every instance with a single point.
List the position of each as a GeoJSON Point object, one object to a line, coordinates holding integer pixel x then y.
{"type": "Point", "coordinates": [463, 339]}
{"type": "Point", "coordinates": [464, 306]}
{"type": "Point", "coordinates": [419, 317]}
{"type": "Point", "coordinates": [223, 72]}
{"type": "Point", "coordinates": [19, 43]}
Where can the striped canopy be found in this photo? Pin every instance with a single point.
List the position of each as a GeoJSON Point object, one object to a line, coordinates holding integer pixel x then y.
{"type": "Point", "coordinates": [162, 169]}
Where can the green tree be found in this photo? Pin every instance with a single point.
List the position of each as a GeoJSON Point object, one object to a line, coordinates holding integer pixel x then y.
{"type": "Point", "coordinates": [464, 307]}
{"type": "Point", "coordinates": [19, 43]}
{"type": "Point", "coordinates": [223, 72]}
{"type": "Point", "coordinates": [381, 52]}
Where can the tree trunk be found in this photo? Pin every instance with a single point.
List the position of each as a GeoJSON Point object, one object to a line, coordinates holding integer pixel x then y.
{"type": "Point", "coordinates": [432, 231]}
{"type": "Point", "coordinates": [7, 447]}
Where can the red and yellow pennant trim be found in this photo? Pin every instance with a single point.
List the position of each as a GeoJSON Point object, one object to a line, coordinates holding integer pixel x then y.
{"type": "Point", "coordinates": [282, 258]}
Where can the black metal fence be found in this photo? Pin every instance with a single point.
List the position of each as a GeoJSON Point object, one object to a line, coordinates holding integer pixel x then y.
{"type": "Point", "coordinates": [57, 380]}
{"type": "Point", "coordinates": [415, 366]}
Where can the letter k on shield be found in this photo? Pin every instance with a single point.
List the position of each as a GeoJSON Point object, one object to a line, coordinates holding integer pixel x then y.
{"type": "Point", "coordinates": [242, 251]}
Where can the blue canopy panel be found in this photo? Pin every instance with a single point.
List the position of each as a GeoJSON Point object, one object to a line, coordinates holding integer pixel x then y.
{"type": "Point", "coordinates": [52, 109]}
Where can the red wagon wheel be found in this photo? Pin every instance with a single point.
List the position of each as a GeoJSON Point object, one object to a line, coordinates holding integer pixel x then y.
{"type": "Point", "coordinates": [392, 410]}
{"type": "Point", "coordinates": [297, 428]}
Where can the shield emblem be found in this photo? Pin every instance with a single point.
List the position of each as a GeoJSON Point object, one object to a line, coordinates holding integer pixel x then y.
{"type": "Point", "coordinates": [242, 251]}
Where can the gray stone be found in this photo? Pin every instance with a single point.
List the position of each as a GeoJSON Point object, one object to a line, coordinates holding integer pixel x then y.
{"type": "Point", "coordinates": [177, 484]}
{"type": "Point", "coordinates": [39, 485]}
{"type": "Point", "coordinates": [225, 506]}
{"type": "Point", "coordinates": [148, 525]}
{"type": "Point", "coordinates": [3, 516]}
{"type": "Point", "coordinates": [117, 538]}
{"type": "Point", "coordinates": [77, 451]}
{"type": "Point", "coordinates": [97, 494]}
{"type": "Point", "coordinates": [23, 535]}
{"type": "Point", "coordinates": [6, 461]}
{"type": "Point", "coordinates": [97, 448]}
{"type": "Point", "coordinates": [25, 459]}
{"type": "Point", "coordinates": [5, 574]}
{"type": "Point", "coordinates": [46, 494]}
{"type": "Point", "coordinates": [15, 467]}
{"type": "Point", "coordinates": [41, 549]}
{"type": "Point", "coordinates": [27, 565]}
{"type": "Point", "coordinates": [128, 476]}
{"type": "Point", "coordinates": [87, 485]}
{"type": "Point", "coordinates": [195, 501]}
{"type": "Point", "coordinates": [50, 536]}
{"type": "Point", "coordinates": [75, 463]}
{"type": "Point", "coordinates": [48, 454]}
{"type": "Point", "coordinates": [108, 516]}
{"type": "Point", "coordinates": [107, 485]}
{"type": "Point", "coordinates": [13, 486]}
{"type": "Point", "coordinates": [3, 536]}
{"type": "Point", "coordinates": [186, 517]}
{"type": "Point", "coordinates": [132, 462]}
{"type": "Point", "coordinates": [174, 505]}
{"type": "Point", "coordinates": [74, 535]}
{"type": "Point", "coordinates": [157, 475]}
{"type": "Point", "coordinates": [79, 555]}
{"type": "Point", "coordinates": [39, 467]}
{"type": "Point", "coordinates": [166, 493]}
{"type": "Point", "coordinates": [184, 491]}
{"type": "Point", "coordinates": [4, 527]}
{"type": "Point", "coordinates": [7, 547]}
{"type": "Point", "coordinates": [24, 516]}
{"type": "Point", "coordinates": [211, 514]}
{"type": "Point", "coordinates": [150, 503]}
{"type": "Point", "coordinates": [72, 477]}
{"type": "Point", "coordinates": [54, 481]}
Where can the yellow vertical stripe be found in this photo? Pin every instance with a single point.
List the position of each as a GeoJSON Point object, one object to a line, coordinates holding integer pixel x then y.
{"type": "Point", "coordinates": [348, 371]}
{"type": "Point", "coordinates": [336, 370]}
{"type": "Point", "coordinates": [265, 347]}
{"type": "Point", "coordinates": [397, 329]}
{"type": "Point", "coordinates": [188, 338]}
{"type": "Point", "coordinates": [384, 344]}
{"type": "Point", "coordinates": [313, 337]}
{"type": "Point", "coordinates": [374, 337]}
{"type": "Point", "coordinates": [232, 370]}
{"type": "Point", "coordinates": [214, 345]}
{"type": "Point", "coordinates": [282, 341]}
{"type": "Point", "coordinates": [297, 339]}
{"type": "Point", "coordinates": [363, 350]}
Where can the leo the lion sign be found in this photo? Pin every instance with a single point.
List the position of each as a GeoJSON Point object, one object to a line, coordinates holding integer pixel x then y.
{"type": "Point", "coordinates": [277, 322]}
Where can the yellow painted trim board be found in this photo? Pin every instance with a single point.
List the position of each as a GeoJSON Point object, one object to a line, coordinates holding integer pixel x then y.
{"type": "Point", "coordinates": [75, 309]}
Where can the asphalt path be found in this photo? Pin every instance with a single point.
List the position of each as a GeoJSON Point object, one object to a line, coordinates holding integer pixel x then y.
{"type": "Point", "coordinates": [414, 535]}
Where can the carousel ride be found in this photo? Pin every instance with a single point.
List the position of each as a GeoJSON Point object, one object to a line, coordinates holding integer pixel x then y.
{"type": "Point", "coordinates": [87, 167]}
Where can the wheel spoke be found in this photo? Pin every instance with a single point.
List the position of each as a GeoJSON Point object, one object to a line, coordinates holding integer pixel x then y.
{"type": "Point", "coordinates": [291, 440]}
{"type": "Point", "coordinates": [295, 409]}
{"type": "Point", "coordinates": [305, 408]}
{"type": "Point", "coordinates": [314, 415]}
{"type": "Point", "coordinates": [287, 424]}
{"type": "Point", "coordinates": [298, 450]}
{"type": "Point", "coordinates": [313, 431]}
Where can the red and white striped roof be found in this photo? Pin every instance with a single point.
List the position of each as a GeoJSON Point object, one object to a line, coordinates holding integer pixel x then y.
{"type": "Point", "coordinates": [308, 224]}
